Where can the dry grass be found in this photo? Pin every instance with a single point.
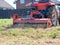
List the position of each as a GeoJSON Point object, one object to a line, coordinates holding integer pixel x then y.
{"type": "Point", "coordinates": [28, 36]}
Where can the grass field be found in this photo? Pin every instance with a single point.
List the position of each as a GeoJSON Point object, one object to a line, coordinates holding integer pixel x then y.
{"type": "Point", "coordinates": [28, 36]}
{"type": "Point", "coordinates": [4, 22]}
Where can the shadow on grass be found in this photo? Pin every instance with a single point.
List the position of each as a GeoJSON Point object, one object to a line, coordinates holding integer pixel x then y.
{"type": "Point", "coordinates": [23, 26]}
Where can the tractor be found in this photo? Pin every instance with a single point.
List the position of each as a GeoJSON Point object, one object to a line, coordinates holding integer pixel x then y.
{"type": "Point", "coordinates": [42, 14]}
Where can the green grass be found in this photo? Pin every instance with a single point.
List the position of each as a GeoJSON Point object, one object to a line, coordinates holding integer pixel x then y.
{"type": "Point", "coordinates": [28, 32]}
{"type": "Point", "coordinates": [4, 22]}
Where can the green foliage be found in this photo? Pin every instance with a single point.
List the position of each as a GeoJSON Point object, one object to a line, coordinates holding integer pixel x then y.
{"type": "Point", "coordinates": [58, 29]}
{"type": "Point", "coordinates": [52, 34]}
{"type": "Point", "coordinates": [4, 22]}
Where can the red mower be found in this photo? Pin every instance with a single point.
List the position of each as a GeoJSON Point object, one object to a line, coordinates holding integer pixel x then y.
{"type": "Point", "coordinates": [42, 14]}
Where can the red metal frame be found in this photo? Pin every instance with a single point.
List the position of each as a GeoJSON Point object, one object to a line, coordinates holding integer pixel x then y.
{"type": "Point", "coordinates": [32, 20]}
{"type": "Point", "coordinates": [32, 13]}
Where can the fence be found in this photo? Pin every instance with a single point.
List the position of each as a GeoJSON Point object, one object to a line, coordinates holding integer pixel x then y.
{"type": "Point", "coordinates": [9, 13]}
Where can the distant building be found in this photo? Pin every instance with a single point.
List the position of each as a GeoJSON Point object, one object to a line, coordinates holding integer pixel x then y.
{"type": "Point", "coordinates": [4, 5]}
{"type": "Point", "coordinates": [21, 4]}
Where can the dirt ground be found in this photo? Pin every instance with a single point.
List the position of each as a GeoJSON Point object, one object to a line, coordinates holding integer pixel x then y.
{"type": "Point", "coordinates": [27, 41]}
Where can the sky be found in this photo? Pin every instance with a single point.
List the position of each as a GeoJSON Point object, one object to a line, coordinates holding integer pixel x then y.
{"type": "Point", "coordinates": [11, 2]}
